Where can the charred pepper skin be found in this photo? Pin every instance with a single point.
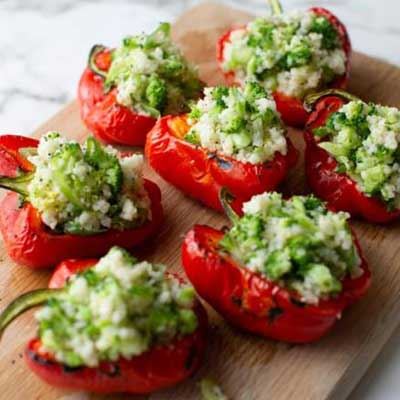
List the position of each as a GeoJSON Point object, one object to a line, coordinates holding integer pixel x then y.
{"type": "Point", "coordinates": [108, 120]}
{"type": "Point", "coordinates": [255, 304]}
{"type": "Point", "coordinates": [160, 367]}
{"type": "Point", "coordinates": [29, 242]}
{"type": "Point", "coordinates": [201, 174]}
{"type": "Point", "coordinates": [292, 109]}
{"type": "Point", "coordinates": [338, 189]}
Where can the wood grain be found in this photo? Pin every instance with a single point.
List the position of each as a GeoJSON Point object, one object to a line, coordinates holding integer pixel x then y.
{"type": "Point", "coordinates": [249, 368]}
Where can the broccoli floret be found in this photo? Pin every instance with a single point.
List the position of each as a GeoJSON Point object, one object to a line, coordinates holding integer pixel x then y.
{"type": "Point", "coordinates": [277, 264]}
{"type": "Point", "coordinates": [150, 41]}
{"type": "Point", "coordinates": [322, 131]}
{"type": "Point", "coordinates": [62, 164]}
{"type": "Point", "coordinates": [172, 68]}
{"type": "Point", "coordinates": [193, 138]}
{"type": "Point", "coordinates": [157, 37]}
{"type": "Point", "coordinates": [327, 30]}
{"type": "Point", "coordinates": [235, 125]}
{"type": "Point", "coordinates": [297, 57]}
{"type": "Point", "coordinates": [320, 276]}
{"type": "Point", "coordinates": [106, 163]}
{"type": "Point", "coordinates": [218, 94]}
{"type": "Point", "coordinates": [312, 203]}
{"type": "Point", "coordinates": [195, 112]}
{"type": "Point", "coordinates": [263, 37]}
{"type": "Point", "coordinates": [254, 90]}
{"type": "Point", "coordinates": [157, 93]}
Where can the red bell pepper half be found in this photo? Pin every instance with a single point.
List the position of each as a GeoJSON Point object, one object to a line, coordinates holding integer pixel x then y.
{"type": "Point", "coordinates": [255, 304]}
{"type": "Point", "coordinates": [292, 109]}
{"type": "Point", "coordinates": [160, 367]}
{"type": "Point", "coordinates": [337, 189]}
{"type": "Point", "coordinates": [29, 242]}
{"type": "Point", "coordinates": [201, 174]}
{"type": "Point", "coordinates": [105, 118]}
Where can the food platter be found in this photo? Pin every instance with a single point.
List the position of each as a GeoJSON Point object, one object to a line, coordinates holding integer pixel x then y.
{"type": "Point", "coordinates": [247, 367]}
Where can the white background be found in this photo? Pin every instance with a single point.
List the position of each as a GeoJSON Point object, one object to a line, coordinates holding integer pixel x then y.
{"type": "Point", "coordinates": [44, 45]}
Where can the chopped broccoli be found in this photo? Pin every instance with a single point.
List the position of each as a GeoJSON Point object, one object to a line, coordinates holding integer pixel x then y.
{"type": "Point", "coordinates": [362, 138]}
{"type": "Point", "coordinates": [294, 53]}
{"type": "Point", "coordinates": [277, 264]}
{"type": "Point", "coordinates": [151, 74]}
{"type": "Point", "coordinates": [195, 113]}
{"type": "Point", "coordinates": [63, 163]}
{"type": "Point", "coordinates": [82, 189]}
{"type": "Point", "coordinates": [296, 57]}
{"type": "Point", "coordinates": [192, 138]}
{"type": "Point", "coordinates": [135, 322]}
{"type": "Point", "coordinates": [327, 30]}
{"type": "Point", "coordinates": [293, 243]}
{"type": "Point", "coordinates": [236, 122]}
{"type": "Point", "coordinates": [105, 163]}
{"type": "Point", "coordinates": [156, 93]}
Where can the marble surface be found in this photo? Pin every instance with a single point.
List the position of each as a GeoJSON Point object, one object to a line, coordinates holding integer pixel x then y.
{"type": "Point", "coordinates": [44, 44]}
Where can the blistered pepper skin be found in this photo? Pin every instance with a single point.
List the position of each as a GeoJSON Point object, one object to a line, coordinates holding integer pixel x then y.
{"type": "Point", "coordinates": [160, 367]}
{"type": "Point", "coordinates": [292, 109]}
{"type": "Point", "coordinates": [29, 242]}
{"type": "Point", "coordinates": [201, 174]}
{"type": "Point", "coordinates": [254, 304]}
{"type": "Point", "coordinates": [108, 120]}
{"type": "Point", "coordinates": [337, 189]}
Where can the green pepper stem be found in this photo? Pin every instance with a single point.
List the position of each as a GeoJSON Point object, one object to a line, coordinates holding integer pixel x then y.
{"type": "Point", "coordinates": [95, 50]}
{"type": "Point", "coordinates": [276, 7]}
{"type": "Point", "coordinates": [18, 184]}
{"type": "Point", "coordinates": [311, 99]}
{"type": "Point", "coordinates": [24, 303]}
{"type": "Point", "coordinates": [225, 197]}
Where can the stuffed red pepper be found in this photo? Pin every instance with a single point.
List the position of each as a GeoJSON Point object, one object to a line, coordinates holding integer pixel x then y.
{"type": "Point", "coordinates": [123, 91]}
{"type": "Point", "coordinates": [290, 54]}
{"type": "Point", "coordinates": [232, 138]}
{"type": "Point", "coordinates": [68, 200]}
{"type": "Point", "coordinates": [285, 270]}
{"type": "Point", "coordinates": [353, 156]}
{"type": "Point", "coordinates": [114, 325]}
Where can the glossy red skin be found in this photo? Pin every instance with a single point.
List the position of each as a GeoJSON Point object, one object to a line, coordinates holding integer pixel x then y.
{"type": "Point", "coordinates": [201, 174]}
{"type": "Point", "coordinates": [292, 109]}
{"type": "Point", "coordinates": [160, 367]}
{"type": "Point", "coordinates": [105, 118]}
{"type": "Point", "coordinates": [29, 242]}
{"type": "Point", "coordinates": [255, 304]}
{"type": "Point", "coordinates": [338, 189]}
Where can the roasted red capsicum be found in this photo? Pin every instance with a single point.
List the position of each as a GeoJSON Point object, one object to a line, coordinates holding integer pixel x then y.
{"type": "Point", "coordinates": [336, 187]}
{"type": "Point", "coordinates": [201, 174]}
{"type": "Point", "coordinates": [108, 120]}
{"type": "Point", "coordinates": [163, 365]}
{"type": "Point", "coordinates": [30, 242]}
{"type": "Point", "coordinates": [151, 78]}
{"type": "Point", "coordinates": [290, 107]}
{"type": "Point", "coordinates": [254, 303]}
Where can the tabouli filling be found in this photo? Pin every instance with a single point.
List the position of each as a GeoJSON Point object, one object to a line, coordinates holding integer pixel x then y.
{"type": "Point", "coordinates": [86, 189]}
{"type": "Point", "coordinates": [151, 75]}
{"type": "Point", "coordinates": [118, 308]}
{"type": "Point", "coordinates": [242, 123]}
{"type": "Point", "coordinates": [296, 243]}
{"type": "Point", "coordinates": [364, 140]}
{"type": "Point", "coordinates": [294, 53]}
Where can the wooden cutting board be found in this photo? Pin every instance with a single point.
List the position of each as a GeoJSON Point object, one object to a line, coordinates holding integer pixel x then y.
{"type": "Point", "coordinates": [247, 367]}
